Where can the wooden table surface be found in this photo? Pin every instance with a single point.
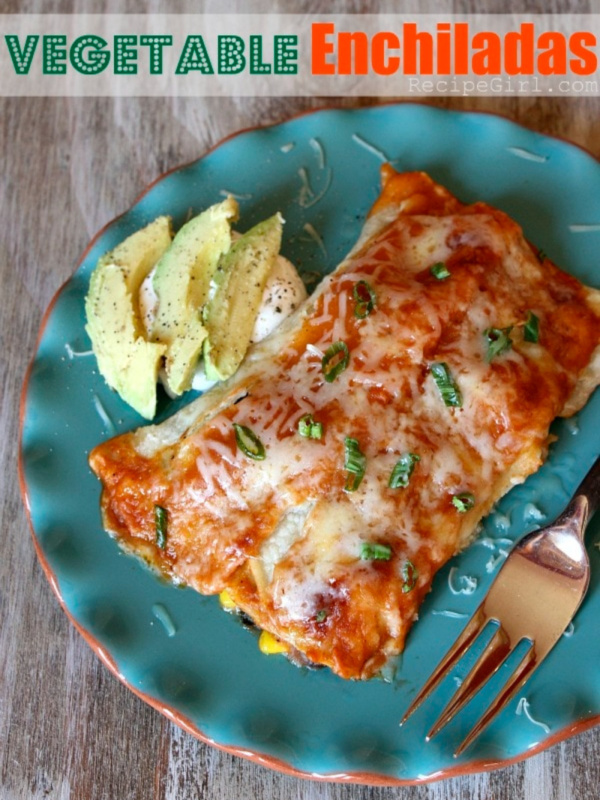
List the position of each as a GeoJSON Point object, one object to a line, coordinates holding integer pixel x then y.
{"type": "Point", "coordinates": [68, 728]}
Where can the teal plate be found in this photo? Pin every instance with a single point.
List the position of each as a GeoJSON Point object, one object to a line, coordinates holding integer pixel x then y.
{"type": "Point", "coordinates": [178, 650]}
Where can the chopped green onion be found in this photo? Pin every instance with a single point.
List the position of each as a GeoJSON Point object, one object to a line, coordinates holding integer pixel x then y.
{"type": "Point", "coordinates": [463, 502]}
{"type": "Point", "coordinates": [531, 331]}
{"type": "Point", "coordinates": [365, 299]}
{"type": "Point", "coordinates": [335, 360]}
{"type": "Point", "coordinates": [403, 470]}
{"type": "Point", "coordinates": [409, 575]}
{"type": "Point", "coordinates": [541, 254]}
{"type": "Point", "coordinates": [160, 523]}
{"type": "Point", "coordinates": [370, 551]}
{"type": "Point", "coordinates": [498, 341]}
{"type": "Point", "coordinates": [249, 443]}
{"type": "Point", "coordinates": [445, 382]}
{"type": "Point", "coordinates": [321, 615]}
{"type": "Point", "coordinates": [440, 271]}
{"type": "Point", "coordinates": [355, 463]}
{"type": "Point", "coordinates": [309, 427]}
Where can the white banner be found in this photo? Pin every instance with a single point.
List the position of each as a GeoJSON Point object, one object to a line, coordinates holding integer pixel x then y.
{"type": "Point", "coordinates": [384, 55]}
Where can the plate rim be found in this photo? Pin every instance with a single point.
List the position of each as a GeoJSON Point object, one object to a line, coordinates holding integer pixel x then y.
{"type": "Point", "coordinates": [181, 720]}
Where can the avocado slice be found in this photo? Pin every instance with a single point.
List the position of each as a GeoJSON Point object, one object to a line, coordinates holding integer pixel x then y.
{"type": "Point", "coordinates": [126, 360]}
{"type": "Point", "coordinates": [182, 282]}
{"type": "Point", "coordinates": [240, 281]}
{"type": "Point", "coordinates": [137, 255]}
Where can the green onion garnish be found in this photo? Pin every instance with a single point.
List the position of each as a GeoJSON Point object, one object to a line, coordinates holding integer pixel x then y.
{"type": "Point", "coordinates": [355, 463]}
{"type": "Point", "coordinates": [463, 502]}
{"type": "Point", "coordinates": [403, 470]}
{"type": "Point", "coordinates": [160, 523]}
{"type": "Point", "coordinates": [370, 551]}
{"type": "Point", "coordinates": [321, 615]}
{"type": "Point", "coordinates": [249, 443]}
{"type": "Point", "coordinates": [309, 427]}
{"type": "Point", "coordinates": [335, 360]}
{"type": "Point", "coordinates": [409, 575]}
{"type": "Point", "coordinates": [365, 299]}
{"type": "Point", "coordinates": [445, 382]}
{"type": "Point", "coordinates": [498, 341]}
{"type": "Point", "coordinates": [541, 254]}
{"type": "Point", "coordinates": [531, 331]}
{"type": "Point", "coordinates": [440, 271]}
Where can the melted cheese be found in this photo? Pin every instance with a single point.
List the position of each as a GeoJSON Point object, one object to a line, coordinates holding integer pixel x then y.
{"type": "Point", "coordinates": [283, 535]}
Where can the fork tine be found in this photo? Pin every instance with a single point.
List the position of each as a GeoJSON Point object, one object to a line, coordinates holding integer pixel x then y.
{"type": "Point", "coordinates": [469, 634]}
{"type": "Point", "coordinates": [494, 654]}
{"type": "Point", "coordinates": [522, 672]}
{"type": "Point", "coordinates": [531, 659]}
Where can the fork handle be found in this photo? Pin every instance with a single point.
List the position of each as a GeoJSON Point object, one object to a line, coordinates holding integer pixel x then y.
{"type": "Point", "coordinates": [590, 489]}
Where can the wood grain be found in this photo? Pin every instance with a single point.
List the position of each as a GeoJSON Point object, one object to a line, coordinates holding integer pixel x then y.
{"type": "Point", "coordinates": [69, 166]}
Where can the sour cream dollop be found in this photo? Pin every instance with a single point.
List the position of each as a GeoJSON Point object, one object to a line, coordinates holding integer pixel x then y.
{"type": "Point", "coordinates": [284, 291]}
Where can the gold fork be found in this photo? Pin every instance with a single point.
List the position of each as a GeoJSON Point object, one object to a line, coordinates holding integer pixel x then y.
{"type": "Point", "coordinates": [534, 597]}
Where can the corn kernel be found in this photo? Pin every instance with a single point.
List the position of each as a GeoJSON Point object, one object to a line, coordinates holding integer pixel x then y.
{"type": "Point", "coordinates": [269, 644]}
{"type": "Point", "coordinates": [226, 601]}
